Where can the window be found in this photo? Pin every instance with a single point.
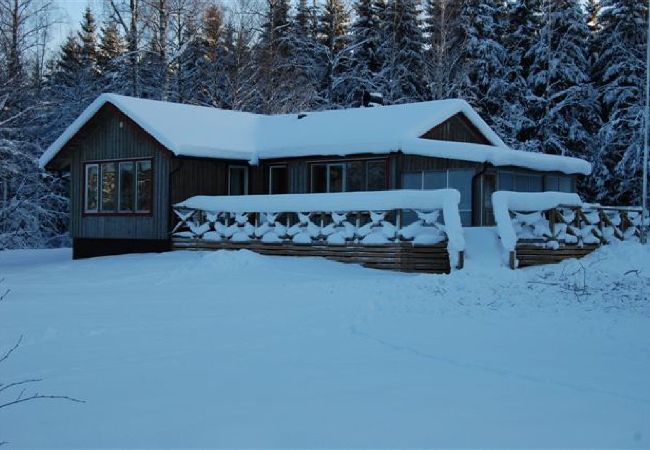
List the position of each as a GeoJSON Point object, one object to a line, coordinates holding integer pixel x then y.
{"type": "Point", "coordinates": [558, 183]}
{"type": "Point", "coordinates": [109, 187]}
{"type": "Point", "coordinates": [237, 180]}
{"type": "Point", "coordinates": [460, 179]}
{"type": "Point", "coordinates": [520, 182]}
{"type": "Point", "coordinates": [123, 187]}
{"type": "Point", "coordinates": [278, 180]}
{"type": "Point", "coordinates": [349, 176]}
{"type": "Point", "coordinates": [144, 186]}
{"type": "Point", "coordinates": [92, 187]}
{"type": "Point", "coordinates": [127, 186]}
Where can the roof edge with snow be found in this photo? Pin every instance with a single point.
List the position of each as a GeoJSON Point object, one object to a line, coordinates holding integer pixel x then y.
{"type": "Point", "coordinates": [253, 137]}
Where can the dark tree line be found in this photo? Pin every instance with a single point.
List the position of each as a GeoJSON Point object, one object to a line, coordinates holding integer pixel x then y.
{"type": "Point", "coordinates": [552, 76]}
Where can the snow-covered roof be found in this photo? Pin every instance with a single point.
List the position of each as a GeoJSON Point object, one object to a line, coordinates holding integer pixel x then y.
{"type": "Point", "coordinates": [199, 131]}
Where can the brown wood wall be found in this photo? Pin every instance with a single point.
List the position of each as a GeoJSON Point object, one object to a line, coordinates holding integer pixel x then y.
{"type": "Point", "coordinates": [457, 129]}
{"type": "Point", "coordinates": [110, 135]}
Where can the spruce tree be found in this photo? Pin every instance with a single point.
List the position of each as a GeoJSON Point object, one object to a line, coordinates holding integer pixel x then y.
{"type": "Point", "coordinates": [620, 73]}
{"type": "Point", "coordinates": [111, 59]}
{"type": "Point", "coordinates": [333, 22]}
{"type": "Point", "coordinates": [563, 104]}
{"type": "Point", "coordinates": [403, 72]}
{"type": "Point", "coordinates": [441, 26]}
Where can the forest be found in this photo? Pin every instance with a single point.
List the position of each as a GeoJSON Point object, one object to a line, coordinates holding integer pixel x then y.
{"type": "Point", "coordinates": [562, 77]}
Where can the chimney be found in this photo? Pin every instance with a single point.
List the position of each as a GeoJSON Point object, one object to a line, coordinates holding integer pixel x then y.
{"type": "Point", "coordinates": [371, 99]}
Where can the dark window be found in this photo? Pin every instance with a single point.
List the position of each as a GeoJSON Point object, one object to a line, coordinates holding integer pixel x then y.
{"type": "Point", "coordinates": [109, 187]}
{"type": "Point", "coordinates": [144, 187]}
{"type": "Point", "coordinates": [460, 179]}
{"type": "Point", "coordinates": [349, 176]}
{"type": "Point", "coordinates": [278, 180]}
{"type": "Point", "coordinates": [92, 187]}
{"type": "Point", "coordinates": [127, 186]}
{"type": "Point", "coordinates": [237, 180]}
{"type": "Point", "coordinates": [376, 175]}
{"type": "Point", "coordinates": [520, 182]}
{"type": "Point", "coordinates": [118, 187]}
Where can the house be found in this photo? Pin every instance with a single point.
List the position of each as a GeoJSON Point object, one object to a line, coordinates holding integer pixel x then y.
{"type": "Point", "coordinates": [131, 159]}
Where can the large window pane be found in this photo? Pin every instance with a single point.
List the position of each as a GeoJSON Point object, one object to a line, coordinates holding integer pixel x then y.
{"type": "Point", "coordinates": [109, 187]}
{"type": "Point", "coordinates": [506, 181]}
{"type": "Point", "coordinates": [435, 179]}
{"type": "Point", "coordinates": [376, 175]}
{"type": "Point", "coordinates": [319, 178]}
{"type": "Point", "coordinates": [92, 187]}
{"type": "Point", "coordinates": [278, 180]}
{"type": "Point", "coordinates": [127, 186]}
{"type": "Point", "coordinates": [238, 180]}
{"type": "Point", "coordinates": [462, 181]}
{"type": "Point", "coordinates": [565, 184]}
{"type": "Point", "coordinates": [412, 180]}
{"type": "Point", "coordinates": [551, 183]}
{"type": "Point", "coordinates": [144, 187]}
{"type": "Point", "coordinates": [354, 176]}
{"type": "Point", "coordinates": [336, 174]}
{"type": "Point", "coordinates": [535, 183]}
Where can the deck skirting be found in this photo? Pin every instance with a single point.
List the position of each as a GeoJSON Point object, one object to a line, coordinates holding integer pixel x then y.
{"type": "Point", "coordinates": [399, 256]}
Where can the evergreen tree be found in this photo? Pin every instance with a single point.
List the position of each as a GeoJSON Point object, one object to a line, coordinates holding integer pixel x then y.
{"type": "Point", "coordinates": [88, 37]}
{"type": "Point", "coordinates": [403, 71]}
{"type": "Point", "coordinates": [333, 22]}
{"type": "Point", "coordinates": [363, 60]}
{"type": "Point", "coordinates": [111, 59]}
{"type": "Point", "coordinates": [563, 106]}
{"type": "Point", "coordinates": [441, 25]}
{"type": "Point", "coordinates": [482, 57]}
{"type": "Point", "coordinates": [620, 73]}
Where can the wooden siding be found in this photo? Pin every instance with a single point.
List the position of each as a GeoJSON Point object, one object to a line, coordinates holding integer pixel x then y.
{"type": "Point", "coordinates": [457, 129]}
{"type": "Point", "coordinates": [111, 135]}
{"type": "Point", "coordinates": [193, 176]}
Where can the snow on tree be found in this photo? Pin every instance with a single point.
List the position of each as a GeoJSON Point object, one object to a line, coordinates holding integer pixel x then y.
{"type": "Point", "coordinates": [482, 58]}
{"type": "Point", "coordinates": [443, 38]}
{"type": "Point", "coordinates": [403, 72]}
{"type": "Point", "coordinates": [620, 74]}
{"type": "Point", "coordinates": [563, 103]}
{"type": "Point", "coordinates": [332, 28]}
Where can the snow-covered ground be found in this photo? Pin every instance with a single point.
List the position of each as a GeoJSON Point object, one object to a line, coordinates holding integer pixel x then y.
{"type": "Point", "coordinates": [234, 349]}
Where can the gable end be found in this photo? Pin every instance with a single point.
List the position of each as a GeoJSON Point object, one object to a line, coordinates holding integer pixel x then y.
{"type": "Point", "coordinates": [457, 128]}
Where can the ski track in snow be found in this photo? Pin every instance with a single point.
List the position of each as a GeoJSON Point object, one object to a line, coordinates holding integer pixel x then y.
{"type": "Point", "coordinates": [234, 349]}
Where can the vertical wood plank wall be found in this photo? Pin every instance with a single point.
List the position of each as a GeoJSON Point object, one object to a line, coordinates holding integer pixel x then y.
{"type": "Point", "coordinates": [112, 136]}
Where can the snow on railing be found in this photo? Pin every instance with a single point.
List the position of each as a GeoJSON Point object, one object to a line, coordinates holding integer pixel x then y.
{"type": "Point", "coordinates": [366, 218]}
{"type": "Point", "coordinates": [553, 219]}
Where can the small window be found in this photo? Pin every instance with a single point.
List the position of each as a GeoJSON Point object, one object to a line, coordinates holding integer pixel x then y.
{"type": "Point", "coordinates": [435, 179]}
{"type": "Point", "coordinates": [354, 176]}
{"type": "Point", "coordinates": [237, 180]}
{"type": "Point", "coordinates": [278, 180]}
{"type": "Point", "coordinates": [506, 181]}
{"type": "Point", "coordinates": [92, 187]}
{"type": "Point", "coordinates": [144, 186]}
{"type": "Point", "coordinates": [108, 187]}
{"type": "Point", "coordinates": [328, 178]}
{"type": "Point", "coordinates": [319, 178]}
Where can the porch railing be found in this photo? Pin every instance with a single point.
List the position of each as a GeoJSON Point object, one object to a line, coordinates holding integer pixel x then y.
{"type": "Point", "coordinates": [537, 228]}
{"type": "Point", "coordinates": [356, 219]}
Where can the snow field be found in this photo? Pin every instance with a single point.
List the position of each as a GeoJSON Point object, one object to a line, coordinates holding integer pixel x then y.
{"type": "Point", "coordinates": [234, 349]}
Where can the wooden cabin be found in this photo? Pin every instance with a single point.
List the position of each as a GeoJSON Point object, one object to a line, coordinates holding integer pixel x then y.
{"type": "Point", "coordinates": [131, 159]}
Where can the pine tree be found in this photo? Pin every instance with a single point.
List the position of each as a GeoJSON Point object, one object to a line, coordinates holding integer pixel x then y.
{"type": "Point", "coordinates": [403, 71]}
{"type": "Point", "coordinates": [88, 37]}
{"type": "Point", "coordinates": [564, 101]}
{"type": "Point", "coordinates": [363, 61]}
{"type": "Point", "coordinates": [111, 59]}
{"type": "Point", "coordinates": [441, 25]}
{"type": "Point", "coordinates": [332, 37]}
{"type": "Point", "coordinates": [482, 57]}
{"type": "Point", "coordinates": [620, 73]}
{"type": "Point", "coordinates": [522, 32]}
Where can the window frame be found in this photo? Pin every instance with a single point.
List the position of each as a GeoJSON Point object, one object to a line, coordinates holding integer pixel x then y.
{"type": "Point", "coordinates": [270, 174]}
{"type": "Point", "coordinates": [246, 178]}
{"type": "Point", "coordinates": [344, 163]}
{"type": "Point", "coordinates": [98, 212]}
